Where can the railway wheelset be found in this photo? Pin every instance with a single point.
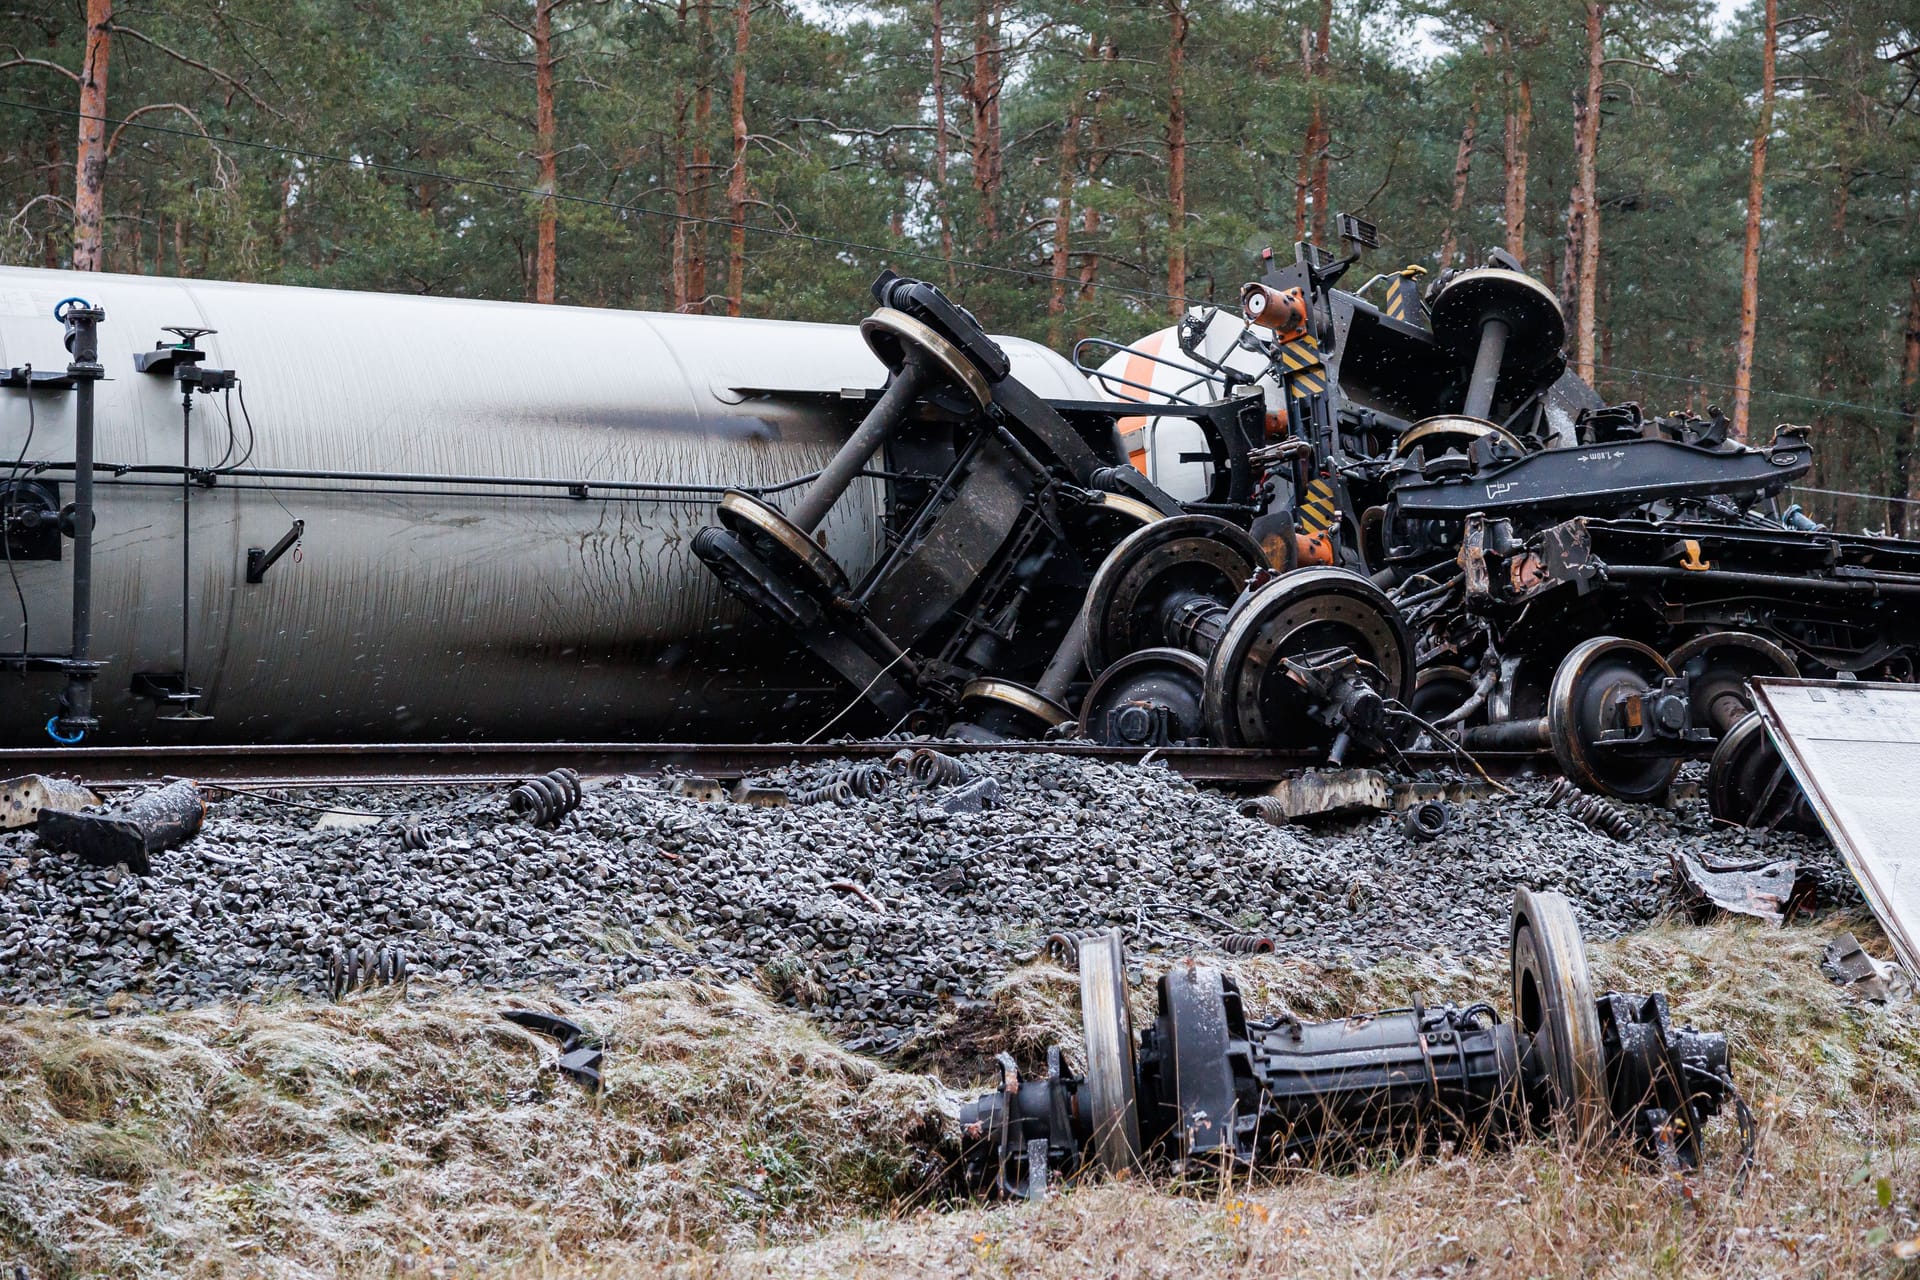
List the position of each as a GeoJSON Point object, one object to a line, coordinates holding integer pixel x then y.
{"type": "Point", "coordinates": [1208, 1087]}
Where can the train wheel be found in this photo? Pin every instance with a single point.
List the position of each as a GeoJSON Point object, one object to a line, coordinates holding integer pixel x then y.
{"type": "Point", "coordinates": [1749, 785]}
{"type": "Point", "coordinates": [1440, 691]}
{"type": "Point", "coordinates": [1111, 1105]}
{"type": "Point", "coordinates": [1582, 705]}
{"type": "Point", "coordinates": [1006, 709]}
{"type": "Point", "coordinates": [889, 333]}
{"type": "Point", "coordinates": [1192, 556]}
{"type": "Point", "coordinates": [1553, 1005]}
{"type": "Point", "coordinates": [1146, 696]}
{"type": "Point", "coordinates": [1717, 667]}
{"type": "Point", "coordinates": [1251, 698]}
{"type": "Point", "coordinates": [782, 544]}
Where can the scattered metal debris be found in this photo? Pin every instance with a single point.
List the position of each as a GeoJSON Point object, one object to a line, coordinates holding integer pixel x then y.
{"type": "Point", "coordinates": [929, 768]}
{"type": "Point", "coordinates": [415, 836]}
{"type": "Point", "coordinates": [581, 1050]}
{"type": "Point", "coordinates": [23, 799]}
{"type": "Point", "coordinates": [1845, 962]}
{"type": "Point", "coordinates": [1210, 1088]}
{"type": "Point", "coordinates": [1596, 812]}
{"type": "Point", "coordinates": [838, 792]}
{"type": "Point", "coordinates": [1426, 820]}
{"type": "Point", "coordinates": [1319, 793]}
{"type": "Point", "coordinates": [1063, 949]}
{"type": "Point", "coordinates": [980, 794]}
{"type": "Point", "coordinates": [129, 832]}
{"type": "Point", "coordinates": [546, 799]}
{"type": "Point", "coordinates": [1767, 890]}
{"type": "Point", "coordinates": [364, 967]}
{"type": "Point", "coordinates": [1855, 750]}
{"type": "Point", "coordinates": [763, 797]}
{"type": "Point", "coordinates": [1247, 944]}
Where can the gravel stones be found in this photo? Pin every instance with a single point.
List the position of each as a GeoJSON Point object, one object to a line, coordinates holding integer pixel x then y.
{"type": "Point", "coordinates": [877, 917]}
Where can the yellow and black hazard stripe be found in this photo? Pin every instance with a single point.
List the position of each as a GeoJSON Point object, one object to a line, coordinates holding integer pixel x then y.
{"type": "Point", "coordinates": [1317, 512]}
{"type": "Point", "coordinates": [1305, 372]}
{"type": "Point", "coordinates": [1403, 295]}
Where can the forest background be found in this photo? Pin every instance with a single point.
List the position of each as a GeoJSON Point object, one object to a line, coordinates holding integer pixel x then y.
{"type": "Point", "coordinates": [1066, 167]}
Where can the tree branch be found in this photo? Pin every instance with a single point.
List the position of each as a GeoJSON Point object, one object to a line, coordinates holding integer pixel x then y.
{"type": "Point", "coordinates": [236, 85]}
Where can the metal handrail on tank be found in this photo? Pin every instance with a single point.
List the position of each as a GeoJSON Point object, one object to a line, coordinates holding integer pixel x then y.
{"type": "Point", "coordinates": [576, 490]}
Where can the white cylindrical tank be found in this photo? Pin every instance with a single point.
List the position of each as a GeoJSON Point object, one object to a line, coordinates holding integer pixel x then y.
{"type": "Point", "coordinates": [428, 608]}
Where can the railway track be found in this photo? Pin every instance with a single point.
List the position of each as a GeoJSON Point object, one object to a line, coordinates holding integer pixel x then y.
{"type": "Point", "coordinates": [417, 764]}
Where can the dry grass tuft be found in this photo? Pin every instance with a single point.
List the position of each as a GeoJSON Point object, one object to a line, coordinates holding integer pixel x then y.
{"type": "Point", "coordinates": [423, 1138]}
{"type": "Point", "coordinates": [295, 1139]}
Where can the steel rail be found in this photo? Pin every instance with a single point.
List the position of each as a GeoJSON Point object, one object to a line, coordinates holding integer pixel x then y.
{"type": "Point", "coordinates": [468, 763]}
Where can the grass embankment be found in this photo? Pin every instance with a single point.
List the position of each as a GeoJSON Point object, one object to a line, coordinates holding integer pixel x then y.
{"type": "Point", "coordinates": [420, 1137]}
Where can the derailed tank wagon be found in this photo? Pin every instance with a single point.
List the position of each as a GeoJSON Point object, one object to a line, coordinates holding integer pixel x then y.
{"type": "Point", "coordinates": [1321, 525]}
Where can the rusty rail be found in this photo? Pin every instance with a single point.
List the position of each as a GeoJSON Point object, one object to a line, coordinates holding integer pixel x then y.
{"type": "Point", "coordinates": [418, 764]}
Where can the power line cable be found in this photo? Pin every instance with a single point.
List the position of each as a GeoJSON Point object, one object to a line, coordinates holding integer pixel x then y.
{"type": "Point", "coordinates": [1758, 391]}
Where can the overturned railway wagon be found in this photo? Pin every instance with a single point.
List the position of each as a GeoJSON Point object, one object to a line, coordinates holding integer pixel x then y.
{"type": "Point", "coordinates": [495, 507]}
{"type": "Point", "coordinates": [1316, 523]}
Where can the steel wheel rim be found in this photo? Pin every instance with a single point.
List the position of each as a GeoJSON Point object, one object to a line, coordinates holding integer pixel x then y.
{"type": "Point", "coordinates": [1203, 553]}
{"type": "Point", "coordinates": [1108, 1024]}
{"type": "Point", "coordinates": [1249, 697]}
{"type": "Point", "coordinates": [1576, 714]}
{"type": "Point", "coordinates": [1553, 1003]}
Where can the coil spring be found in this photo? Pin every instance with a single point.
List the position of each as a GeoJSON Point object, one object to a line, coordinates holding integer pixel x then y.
{"type": "Point", "coordinates": [900, 763]}
{"type": "Point", "coordinates": [869, 781]}
{"type": "Point", "coordinates": [415, 836]}
{"type": "Point", "coordinates": [1266, 808]}
{"type": "Point", "coordinates": [1247, 944]}
{"type": "Point", "coordinates": [1426, 820]}
{"type": "Point", "coordinates": [838, 792]}
{"type": "Point", "coordinates": [1594, 811]}
{"type": "Point", "coordinates": [547, 798]}
{"type": "Point", "coordinates": [358, 968]}
{"type": "Point", "coordinates": [930, 768]}
{"type": "Point", "coordinates": [1063, 949]}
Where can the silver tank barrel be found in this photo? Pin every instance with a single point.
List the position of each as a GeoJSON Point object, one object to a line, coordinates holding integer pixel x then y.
{"type": "Point", "coordinates": [432, 607]}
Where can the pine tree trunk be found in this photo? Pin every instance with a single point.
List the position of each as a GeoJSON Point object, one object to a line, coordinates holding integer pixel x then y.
{"type": "Point", "coordinates": [1176, 158]}
{"type": "Point", "coordinates": [1322, 131]}
{"type": "Point", "coordinates": [1063, 208]}
{"type": "Point", "coordinates": [941, 205]}
{"type": "Point", "coordinates": [677, 259]}
{"type": "Point", "coordinates": [1303, 176]}
{"type": "Point", "coordinates": [702, 163]}
{"type": "Point", "coordinates": [1462, 169]}
{"type": "Point", "coordinates": [50, 245]}
{"type": "Point", "coordinates": [983, 99]}
{"type": "Point", "coordinates": [1583, 210]}
{"type": "Point", "coordinates": [1519, 128]}
{"type": "Point", "coordinates": [545, 256]}
{"type": "Point", "coordinates": [90, 169]}
{"type": "Point", "coordinates": [1910, 394]}
{"type": "Point", "coordinates": [1750, 262]}
{"type": "Point", "coordinates": [737, 180]}
{"type": "Point", "coordinates": [1096, 158]}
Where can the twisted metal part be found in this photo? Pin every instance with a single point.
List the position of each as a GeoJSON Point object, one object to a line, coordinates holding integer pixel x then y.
{"type": "Point", "coordinates": [1247, 944]}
